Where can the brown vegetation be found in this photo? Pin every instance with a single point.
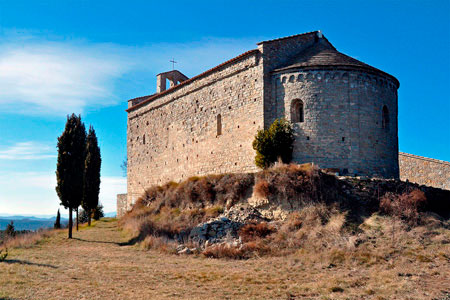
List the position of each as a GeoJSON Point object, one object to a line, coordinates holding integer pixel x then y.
{"type": "Point", "coordinates": [170, 211]}
{"type": "Point", "coordinates": [254, 231]}
{"type": "Point", "coordinates": [198, 192]}
{"type": "Point", "coordinates": [262, 188]}
{"type": "Point", "coordinates": [325, 213]}
{"type": "Point", "coordinates": [27, 239]}
{"type": "Point", "coordinates": [97, 265]}
{"type": "Point", "coordinates": [405, 205]}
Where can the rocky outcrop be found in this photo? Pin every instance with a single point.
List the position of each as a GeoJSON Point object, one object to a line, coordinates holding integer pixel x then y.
{"type": "Point", "coordinates": [226, 226]}
{"type": "Point", "coordinates": [223, 229]}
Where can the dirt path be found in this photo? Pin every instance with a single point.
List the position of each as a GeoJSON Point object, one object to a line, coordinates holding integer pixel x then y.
{"type": "Point", "coordinates": [95, 266]}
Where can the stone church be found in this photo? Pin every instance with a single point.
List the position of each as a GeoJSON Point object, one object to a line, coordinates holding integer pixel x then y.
{"type": "Point", "coordinates": [344, 113]}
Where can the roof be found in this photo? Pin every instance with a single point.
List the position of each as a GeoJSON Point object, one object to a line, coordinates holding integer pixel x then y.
{"type": "Point", "coordinates": [186, 82]}
{"type": "Point", "coordinates": [289, 37]}
{"type": "Point", "coordinates": [323, 54]}
{"type": "Point", "coordinates": [140, 98]}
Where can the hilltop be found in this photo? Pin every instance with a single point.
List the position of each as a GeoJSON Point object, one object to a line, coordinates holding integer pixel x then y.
{"type": "Point", "coordinates": [292, 232]}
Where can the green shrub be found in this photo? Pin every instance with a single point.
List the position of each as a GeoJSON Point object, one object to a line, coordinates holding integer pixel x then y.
{"type": "Point", "coordinates": [274, 143]}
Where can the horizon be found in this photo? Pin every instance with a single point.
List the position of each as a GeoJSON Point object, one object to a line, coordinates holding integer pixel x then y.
{"type": "Point", "coordinates": [94, 57]}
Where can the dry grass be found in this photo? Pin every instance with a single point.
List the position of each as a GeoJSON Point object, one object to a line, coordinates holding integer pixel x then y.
{"type": "Point", "coordinates": [95, 266]}
{"type": "Point", "coordinates": [167, 223]}
{"type": "Point", "coordinates": [405, 206]}
{"type": "Point", "coordinates": [199, 192]}
{"type": "Point", "coordinates": [262, 188]}
{"type": "Point", "coordinates": [254, 231]}
{"type": "Point", "coordinates": [325, 212]}
{"type": "Point", "coordinates": [28, 239]}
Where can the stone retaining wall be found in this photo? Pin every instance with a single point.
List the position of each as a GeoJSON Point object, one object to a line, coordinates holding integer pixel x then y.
{"type": "Point", "coordinates": [423, 170]}
{"type": "Point", "coordinates": [121, 205]}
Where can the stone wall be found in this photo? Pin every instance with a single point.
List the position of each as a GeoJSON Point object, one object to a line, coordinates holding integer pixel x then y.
{"type": "Point", "coordinates": [342, 125]}
{"type": "Point", "coordinates": [276, 53]}
{"type": "Point", "coordinates": [121, 205]}
{"type": "Point", "coordinates": [176, 136]}
{"type": "Point", "coordinates": [206, 124]}
{"type": "Point", "coordinates": [426, 171]}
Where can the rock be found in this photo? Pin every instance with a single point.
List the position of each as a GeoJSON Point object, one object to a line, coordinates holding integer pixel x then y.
{"type": "Point", "coordinates": [186, 250]}
{"type": "Point", "coordinates": [198, 233]}
{"type": "Point", "coordinates": [225, 227]}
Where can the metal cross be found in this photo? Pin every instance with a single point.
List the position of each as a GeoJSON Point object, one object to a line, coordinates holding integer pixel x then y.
{"type": "Point", "coordinates": [173, 63]}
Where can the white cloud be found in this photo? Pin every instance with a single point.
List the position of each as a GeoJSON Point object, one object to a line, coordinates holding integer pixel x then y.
{"type": "Point", "coordinates": [27, 151]}
{"type": "Point", "coordinates": [55, 78]}
{"type": "Point", "coordinates": [34, 193]}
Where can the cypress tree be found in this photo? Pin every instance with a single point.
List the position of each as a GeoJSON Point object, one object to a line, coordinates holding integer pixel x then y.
{"type": "Point", "coordinates": [91, 174]}
{"type": "Point", "coordinates": [70, 165]}
{"type": "Point", "coordinates": [58, 221]}
{"type": "Point", "coordinates": [10, 230]}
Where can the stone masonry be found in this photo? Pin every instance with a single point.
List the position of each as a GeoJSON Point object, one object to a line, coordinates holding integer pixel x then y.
{"type": "Point", "coordinates": [121, 205]}
{"type": "Point", "coordinates": [426, 171]}
{"type": "Point", "coordinates": [206, 124]}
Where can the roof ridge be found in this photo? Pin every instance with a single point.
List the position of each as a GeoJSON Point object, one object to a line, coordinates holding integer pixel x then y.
{"type": "Point", "coordinates": [140, 97]}
{"type": "Point", "coordinates": [316, 56]}
{"type": "Point", "coordinates": [288, 37]}
{"type": "Point", "coordinates": [439, 161]}
{"type": "Point", "coordinates": [151, 97]}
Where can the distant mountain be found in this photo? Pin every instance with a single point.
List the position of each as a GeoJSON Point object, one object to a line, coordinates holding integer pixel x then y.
{"type": "Point", "coordinates": [28, 222]}
{"type": "Point", "coordinates": [35, 222]}
{"type": "Point", "coordinates": [2, 215]}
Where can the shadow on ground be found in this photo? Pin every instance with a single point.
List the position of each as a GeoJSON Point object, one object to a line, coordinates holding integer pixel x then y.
{"type": "Point", "coordinates": [29, 263]}
{"type": "Point", "coordinates": [99, 242]}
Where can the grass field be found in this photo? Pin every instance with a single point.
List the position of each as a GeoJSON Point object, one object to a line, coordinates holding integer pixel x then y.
{"type": "Point", "coordinates": [96, 265]}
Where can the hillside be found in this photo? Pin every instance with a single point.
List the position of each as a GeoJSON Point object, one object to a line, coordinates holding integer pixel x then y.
{"type": "Point", "coordinates": [292, 232]}
{"type": "Point", "coordinates": [28, 223]}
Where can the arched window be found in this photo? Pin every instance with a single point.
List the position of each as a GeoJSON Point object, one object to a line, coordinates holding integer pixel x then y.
{"type": "Point", "coordinates": [219, 124]}
{"type": "Point", "coordinates": [297, 114]}
{"type": "Point", "coordinates": [385, 118]}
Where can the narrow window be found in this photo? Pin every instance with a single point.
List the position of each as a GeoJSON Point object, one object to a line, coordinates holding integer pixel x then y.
{"type": "Point", "coordinates": [143, 139]}
{"type": "Point", "coordinates": [385, 118]}
{"type": "Point", "coordinates": [297, 114]}
{"type": "Point", "coordinates": [219, 124]}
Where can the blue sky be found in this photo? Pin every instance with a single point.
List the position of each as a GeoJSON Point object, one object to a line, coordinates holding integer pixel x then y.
{"type": "Point", "coordinates": [89, 57]}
